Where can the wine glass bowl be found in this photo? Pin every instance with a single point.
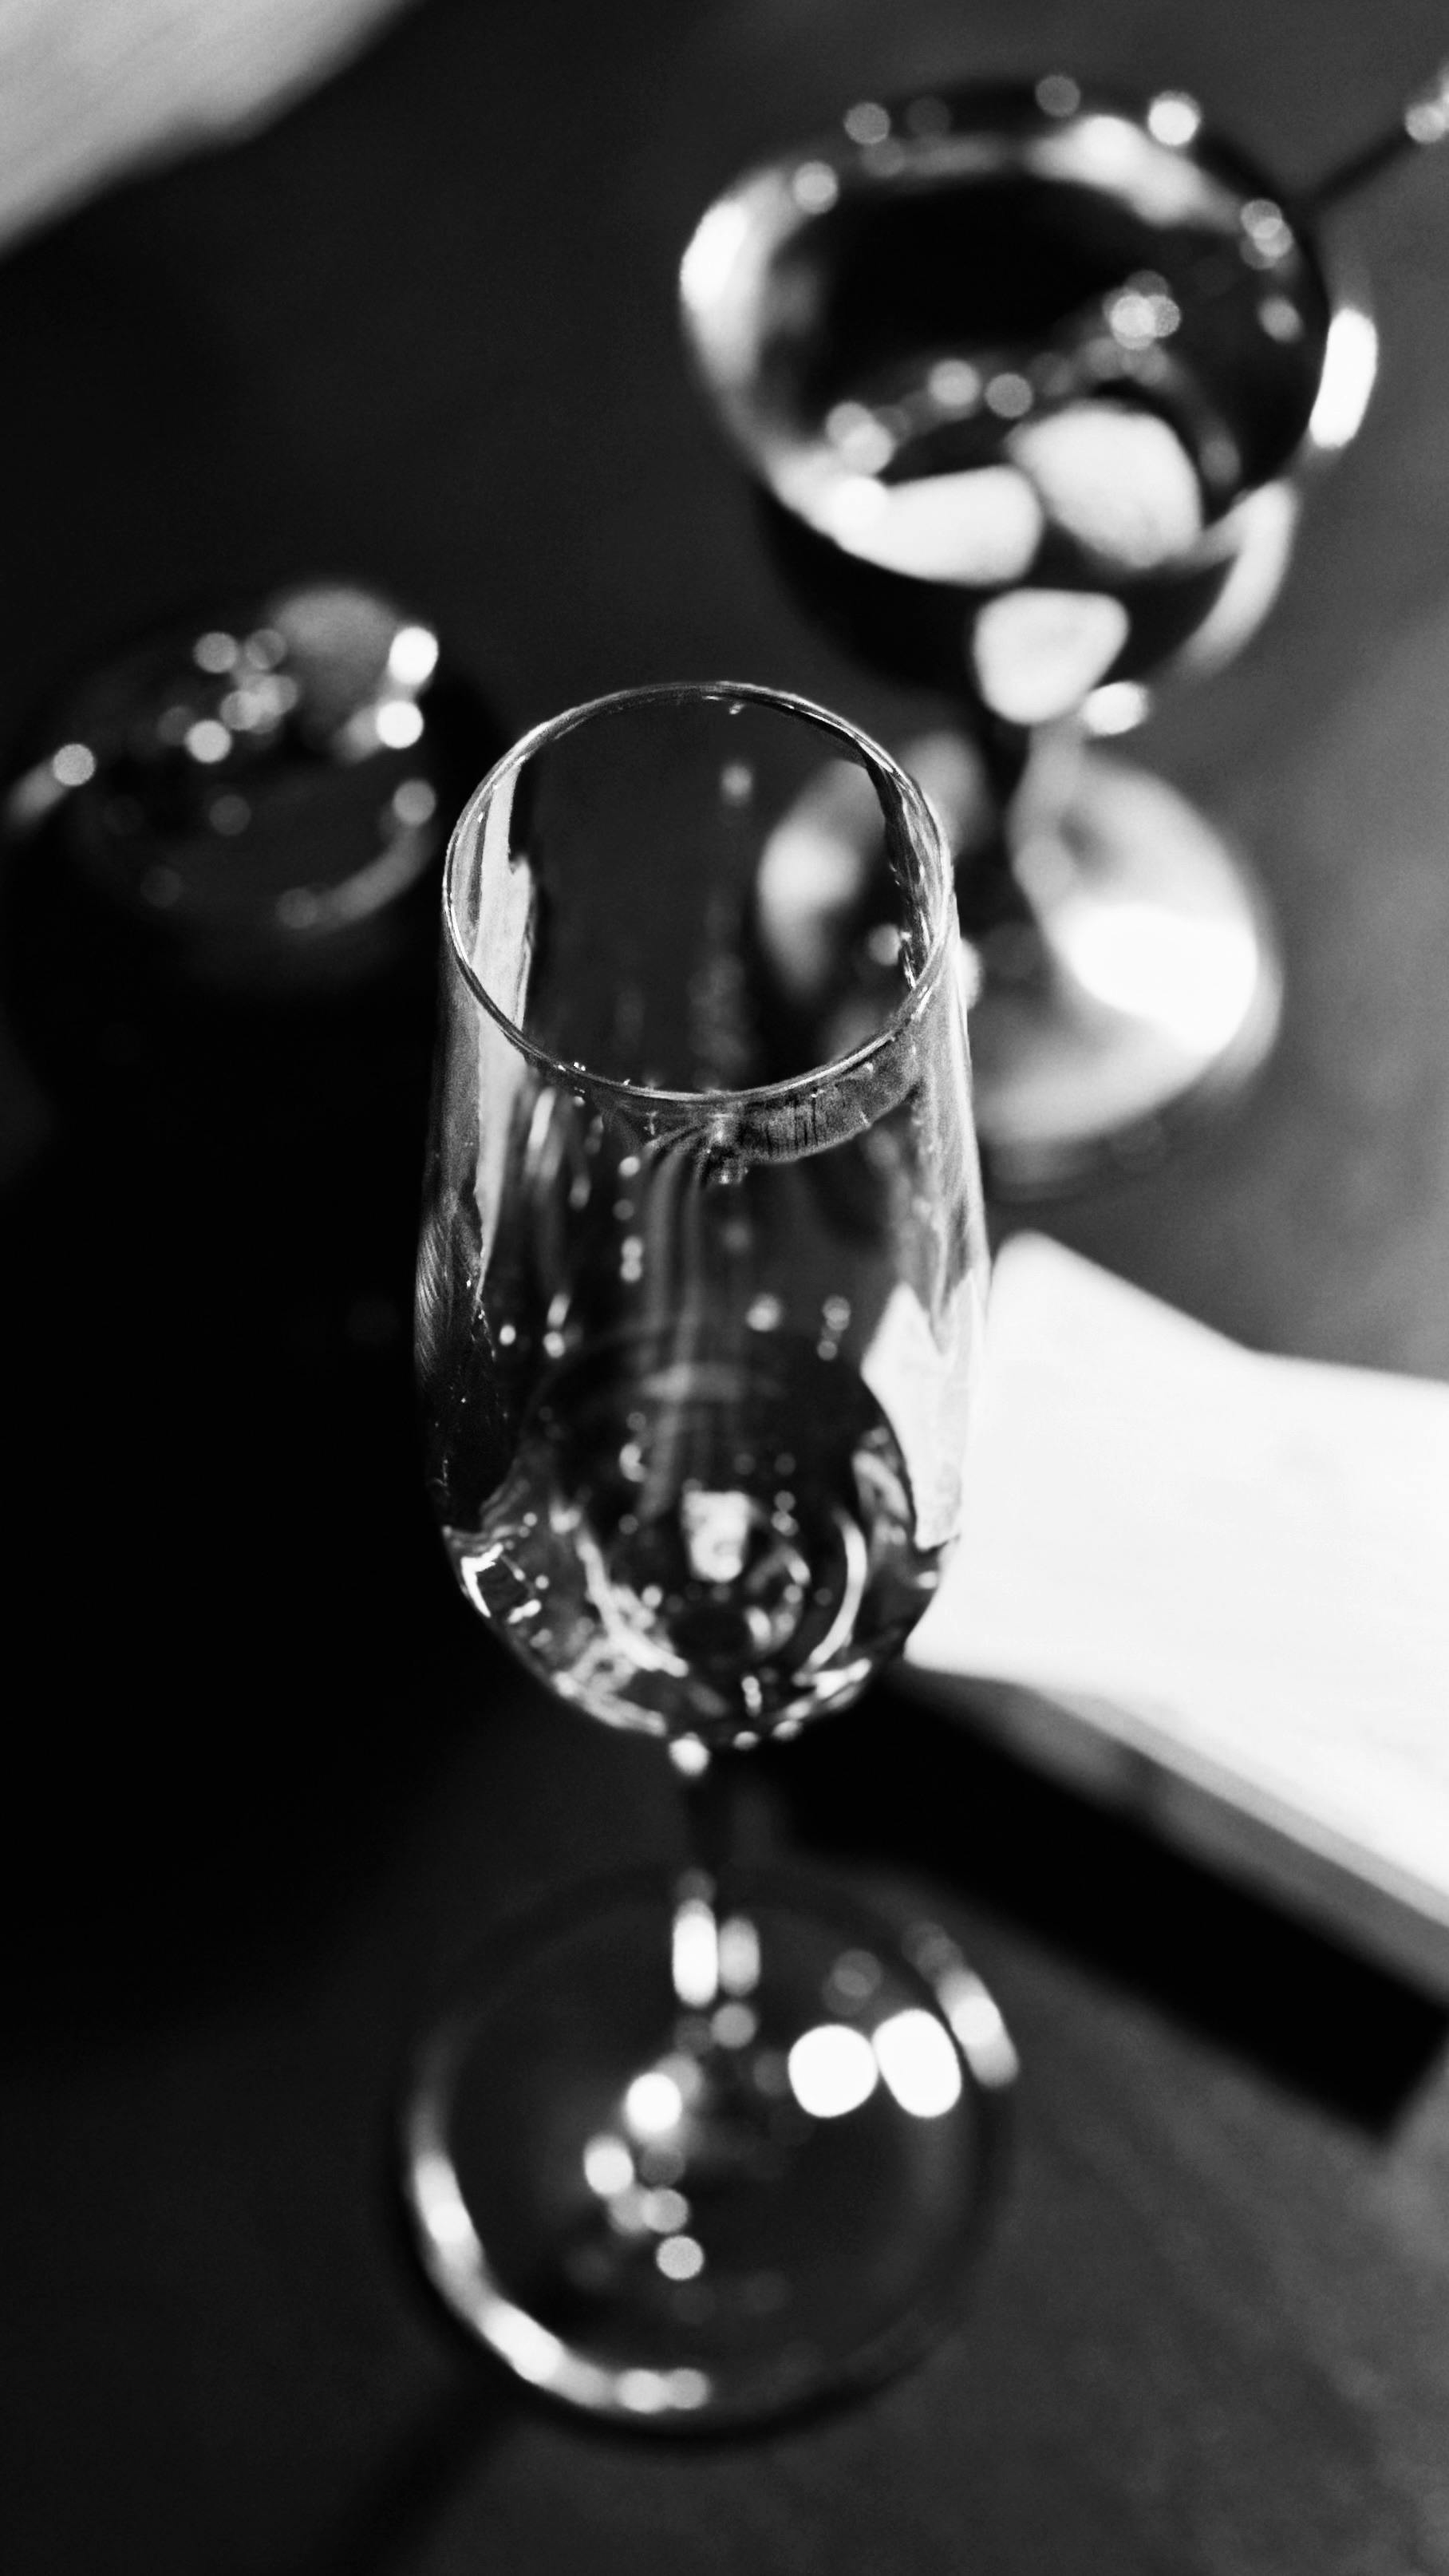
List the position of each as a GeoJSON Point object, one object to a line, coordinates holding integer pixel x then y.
{"type": "Point", "coordinates": [700, 1291]}
{"type": "Point", "coordinates": [675, 1247]}
{"type": "Point", "coordinates": [1028, 380]}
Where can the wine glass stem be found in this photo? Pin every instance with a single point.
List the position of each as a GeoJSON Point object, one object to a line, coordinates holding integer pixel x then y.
{"type": "Point", "coordinates": [1031, 778]}
{"type": "Point", "coordinates": [709, 1796]}
{"type": "Point", "coordinates": [987, 892]}
{"type": "Point", "coordinates": [713, 1794]}
{"type": "Point", "coordinates": [1045, 791]}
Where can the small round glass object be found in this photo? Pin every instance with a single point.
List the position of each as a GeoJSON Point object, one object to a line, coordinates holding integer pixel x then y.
{"type": "Point", "coordinates": [257, 798]}
{"type": "Point", "coordinates": [1027, 378]}
{"type": "Point", "coordinates": [238, 822]}
{"type": "Point", "coordinates": [700, 1294]}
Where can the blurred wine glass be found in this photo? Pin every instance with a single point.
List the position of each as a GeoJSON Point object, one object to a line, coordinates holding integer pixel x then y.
{"type": "Point", "coordinates": [700, 1290]}
{"type": "Point", "coordinates": [1029, 379]}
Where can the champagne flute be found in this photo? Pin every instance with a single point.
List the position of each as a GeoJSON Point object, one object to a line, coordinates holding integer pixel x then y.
{"type": "Point", "coordinates": [700, 1293]}
{"type": "Point", "coordinates": [1028, 379]}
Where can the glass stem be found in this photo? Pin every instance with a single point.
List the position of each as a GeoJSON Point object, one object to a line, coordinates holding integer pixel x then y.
{"type": "Point", "coordinates": [987, 891]}
{"type": "Point", "coordinates": [1045, 791]}
{"type": "Point", "coordinates": [704, 1938]}
{"type": "Point", "coordinates": [708, 1802]}
{"type": "Point", "coordinates": [1031, 779]}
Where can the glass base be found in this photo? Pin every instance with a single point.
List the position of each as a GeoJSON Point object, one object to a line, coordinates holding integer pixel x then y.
{"type": "Point", "coordinates": [690, 2166]}
{"type": "Point", "coordinates": [1142, 997]}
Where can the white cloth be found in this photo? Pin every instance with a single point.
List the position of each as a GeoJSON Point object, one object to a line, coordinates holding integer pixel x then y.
{"type": "Point", "coordinates": [1212, 1586]}
{"type": "Point", "coordinates": [92, 88]}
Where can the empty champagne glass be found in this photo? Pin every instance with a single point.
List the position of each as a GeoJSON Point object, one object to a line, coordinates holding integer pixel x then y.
{"type": "Point", "coordinates": [700, 1293]}
{"type": "Point", "coordinates": [1028, 379]}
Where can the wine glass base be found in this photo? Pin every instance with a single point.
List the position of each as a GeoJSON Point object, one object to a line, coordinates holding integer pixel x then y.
{"type": "Point", "coordinates": [1143, 998]}
{"type": "Point", "coordinates": [687, 2215]}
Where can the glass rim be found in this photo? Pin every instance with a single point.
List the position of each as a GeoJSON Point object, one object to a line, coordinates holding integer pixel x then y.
{"type": "Point", "coordinates": [999, 103]}
{"type": "Point", "coordinates": [1331, 261]}
{"type": "Point", "coordinates": [879, 766]}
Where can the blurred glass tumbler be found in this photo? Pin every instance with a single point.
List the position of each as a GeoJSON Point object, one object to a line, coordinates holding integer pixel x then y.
{"type": "Point", "coordinates": [700, 1293]}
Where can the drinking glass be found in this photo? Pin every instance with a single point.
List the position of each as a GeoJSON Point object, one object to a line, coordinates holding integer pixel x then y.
{"type": "Point", "coordinates": [1028, 379]}
{"type": "Point", "coordinates": [700, 1293]}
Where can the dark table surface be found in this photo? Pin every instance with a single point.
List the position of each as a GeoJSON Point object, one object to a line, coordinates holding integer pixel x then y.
{"type": "Point", "coordinates": [265, 1782]}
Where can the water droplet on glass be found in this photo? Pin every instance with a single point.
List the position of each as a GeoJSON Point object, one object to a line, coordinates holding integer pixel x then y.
{"type": "Point", "coordinates": [814, 188]}
{"type": "Point", "coordinates": [1174, 118]}
{"type": "Point", "coordinates": [868, 123]}
{"type": "Point", "coordinates": [1057, 94]}
{"type": "Point", "coordinates": [73, 765]}
{"type": "Point", "coordinates": [216, 651]}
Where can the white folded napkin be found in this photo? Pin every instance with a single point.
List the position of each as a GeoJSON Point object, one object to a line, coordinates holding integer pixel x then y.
{"type": "Point", "coordinates": [1214, 1586]}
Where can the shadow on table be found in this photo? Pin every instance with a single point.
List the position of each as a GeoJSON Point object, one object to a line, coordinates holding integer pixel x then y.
{"type": "Point", "coordinates": [893, 1780]}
